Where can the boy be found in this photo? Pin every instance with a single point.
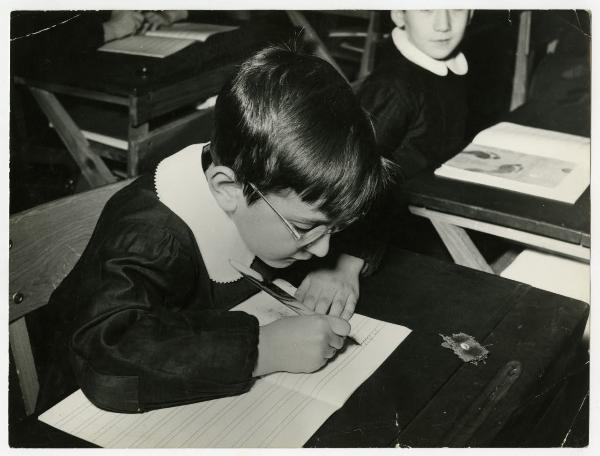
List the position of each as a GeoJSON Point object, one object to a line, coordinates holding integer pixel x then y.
{"type": "Point", "coordinates": [417, 100]}
{"type": "Point", "coordinates": [417, 97]}
{"type": "Point", "coordinates": [146, 308]}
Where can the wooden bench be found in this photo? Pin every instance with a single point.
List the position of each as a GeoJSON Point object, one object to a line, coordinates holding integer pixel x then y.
{"type": "Point", "coordinates": [45, 243]}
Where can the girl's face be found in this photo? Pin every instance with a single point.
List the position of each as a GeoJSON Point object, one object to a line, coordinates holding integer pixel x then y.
{"type": "Point", "coordinates": [437, 33]}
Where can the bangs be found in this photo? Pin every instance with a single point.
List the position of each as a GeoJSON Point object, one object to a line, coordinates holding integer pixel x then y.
{"type": "Point", "coordinates": [291, 122]}
{"type": "Point", "coordinates": [338, 169]}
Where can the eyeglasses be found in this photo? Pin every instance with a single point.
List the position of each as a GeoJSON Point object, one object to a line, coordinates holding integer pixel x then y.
{"type": "Point", "coordinates": [307, 237]}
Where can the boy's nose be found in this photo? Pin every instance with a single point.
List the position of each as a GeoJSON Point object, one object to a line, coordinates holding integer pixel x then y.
{"type": "Point", "coordinates": [441, 20]}
{"type": "Point", "coordinates": [320, 247]}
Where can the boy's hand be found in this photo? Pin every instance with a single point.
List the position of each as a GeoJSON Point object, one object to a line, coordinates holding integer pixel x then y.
{"type": "Point", "coordinates": [299, 344]}
{"type": "Point", "coordinates": [333, 291]}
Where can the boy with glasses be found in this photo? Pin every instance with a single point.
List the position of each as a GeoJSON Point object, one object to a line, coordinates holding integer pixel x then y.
{"type": "Point", "coordinates": [291, 162]}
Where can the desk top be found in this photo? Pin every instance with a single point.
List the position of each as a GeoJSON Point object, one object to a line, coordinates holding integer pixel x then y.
{"type": "Point", "coordinates": [423, 394]}
{"type": "Point", "coordinates": [554, 219]}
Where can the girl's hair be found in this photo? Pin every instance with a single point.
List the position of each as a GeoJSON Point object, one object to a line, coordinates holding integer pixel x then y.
{"type": "Point", "coordinates": [290, 121]}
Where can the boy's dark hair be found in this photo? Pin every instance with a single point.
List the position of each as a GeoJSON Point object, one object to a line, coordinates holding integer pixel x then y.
{"type": "Point", "coordinates": [290, 121]}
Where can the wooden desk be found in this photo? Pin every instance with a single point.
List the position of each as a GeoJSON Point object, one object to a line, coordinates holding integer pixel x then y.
{"type": "Point", "coordinates": [424, 395]}
{"type": "Point", "coordinates": [144, 89]}
{"type": "Point", "coordinates": [453, 206]}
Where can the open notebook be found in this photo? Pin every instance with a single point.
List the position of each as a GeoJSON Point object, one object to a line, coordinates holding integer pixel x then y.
{"type": "Point", "coordinates": [523, 159]}
{"type": "Point", "coordinates": [281, 410]}
{"type": "Point", "coordinates": [164, 41]}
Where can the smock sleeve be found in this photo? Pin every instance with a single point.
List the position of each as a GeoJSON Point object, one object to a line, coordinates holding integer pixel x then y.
{"type": "Point", "coordinates": [397, 113]}
{"type": "Point", "coordinates": [145, 335]}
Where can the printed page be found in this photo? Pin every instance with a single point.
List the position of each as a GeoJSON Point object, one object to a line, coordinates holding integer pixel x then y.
{"type": "Point", "coordinates": [516, 166]}
{"type": "Point", "coordinates": [533, 161]}
{"type": "Point", "coordinates": [148, 46]}
{"type": "Point", "coordinates": [190, 30]}
{"type": "Point", "coordinates": [281, 410]}
{"type": "Point", "coordinates": [535, 141]}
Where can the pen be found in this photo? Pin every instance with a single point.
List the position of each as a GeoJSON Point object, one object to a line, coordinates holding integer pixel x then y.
{"type": "Point", "coordinates": [277, 292]}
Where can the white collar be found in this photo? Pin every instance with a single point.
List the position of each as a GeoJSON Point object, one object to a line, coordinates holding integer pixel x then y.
{"type": "Point", "coordinates": [457, 64]}
{"type": "Point", "coordinates": [181, 185]}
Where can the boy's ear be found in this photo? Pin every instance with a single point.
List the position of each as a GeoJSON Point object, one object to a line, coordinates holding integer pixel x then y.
{"type": "Point", "coordinates": [224, 187]}
{"type": "Point", "coordinates": [398, 18]}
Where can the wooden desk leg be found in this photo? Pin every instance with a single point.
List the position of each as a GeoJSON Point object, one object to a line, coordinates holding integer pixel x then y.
{"type": "Point", "coordinates": [137, 136]}
{"type": "Point", "coordinates": [24, 363]}
{"type": "Point", "coordinates": [93, 169]}
{"type": "Point", "coordinates": [461, 247]}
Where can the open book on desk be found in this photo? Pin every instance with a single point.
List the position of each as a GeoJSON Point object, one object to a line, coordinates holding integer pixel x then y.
{"type": "Point", "coordinates": [164, 41]}
{"type": "Point", "coordinates": [538, 162]}
{"type": "Point", "coordinates": [190, 30]}
{"type": "Point", "coordinates": [280, 410]}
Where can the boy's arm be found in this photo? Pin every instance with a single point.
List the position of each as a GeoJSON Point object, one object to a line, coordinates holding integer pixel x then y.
{"type": "Point", "coordinates": [144, 337]}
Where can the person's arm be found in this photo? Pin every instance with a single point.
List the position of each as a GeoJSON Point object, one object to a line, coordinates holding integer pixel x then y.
{"type": "Point", "coordinates": [143, 337]}
{"type": "Point", "coordinates": [333, 291]}
{"type": "Point", "coordinates": [397, 112]}
{"type": "Point", "coordinates": [156, 19]}
{"type": "Point", "coordinates": [121, 24]}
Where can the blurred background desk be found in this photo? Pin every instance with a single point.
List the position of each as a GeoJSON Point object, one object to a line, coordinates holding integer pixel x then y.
{"type": "Point", "coordinates": [145, 105]}
{"type": "Point", "coordinates": [453, 206]}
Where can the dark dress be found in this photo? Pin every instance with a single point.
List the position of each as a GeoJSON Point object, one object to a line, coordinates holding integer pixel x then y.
{"type": "Point", "coordinates": [420, 122]}
{"type": "Point", "coordinates": [419, 117]}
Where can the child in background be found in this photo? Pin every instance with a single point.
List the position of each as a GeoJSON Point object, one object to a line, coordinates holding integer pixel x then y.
{"type": "Point", "coordinates": [417, 96]}
{"type": "Point", "coordinates": [417, 101]}
{"type": "Point", "coordinates": [146, 308]}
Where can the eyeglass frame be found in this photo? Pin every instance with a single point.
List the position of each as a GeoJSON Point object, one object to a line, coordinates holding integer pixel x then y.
{"type": "Point", "coordinates": [303, 239]}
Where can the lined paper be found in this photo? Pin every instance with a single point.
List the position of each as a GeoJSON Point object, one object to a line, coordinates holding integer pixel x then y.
{"type": "Point", "coordinates": [282, 410]}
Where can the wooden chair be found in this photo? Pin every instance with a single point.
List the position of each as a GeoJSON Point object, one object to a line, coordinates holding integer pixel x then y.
{"type": "Point", "coordinates": [45, 243]}
{"type": "Point", "coordinates": [373, 35]}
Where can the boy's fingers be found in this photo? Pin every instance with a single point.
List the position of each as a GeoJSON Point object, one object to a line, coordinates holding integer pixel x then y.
{"type": "Point", "coordinates": [338, 304]}
{"type": "Point", "coordinates": [349, 307]}
{"type": "Point", "coordinates": [339, 326]}
{"type": "Point", "coordinates": [324, 302]}
{"type": "Point", "coordinates": [329, 353]}
{"type": "Point", "coordinates": [302, 289]}
{"type": "Point", "coordinates": [336, 341]}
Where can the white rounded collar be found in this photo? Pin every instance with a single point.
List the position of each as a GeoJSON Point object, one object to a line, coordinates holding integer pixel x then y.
{"type": "Point", "coordinates": [181, 185]}
{"type": "Point", "coordinates": [457, 64]}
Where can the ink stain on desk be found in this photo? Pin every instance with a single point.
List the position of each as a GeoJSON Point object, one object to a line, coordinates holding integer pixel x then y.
{"type": "Point", "coordinates": [465, 347]}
